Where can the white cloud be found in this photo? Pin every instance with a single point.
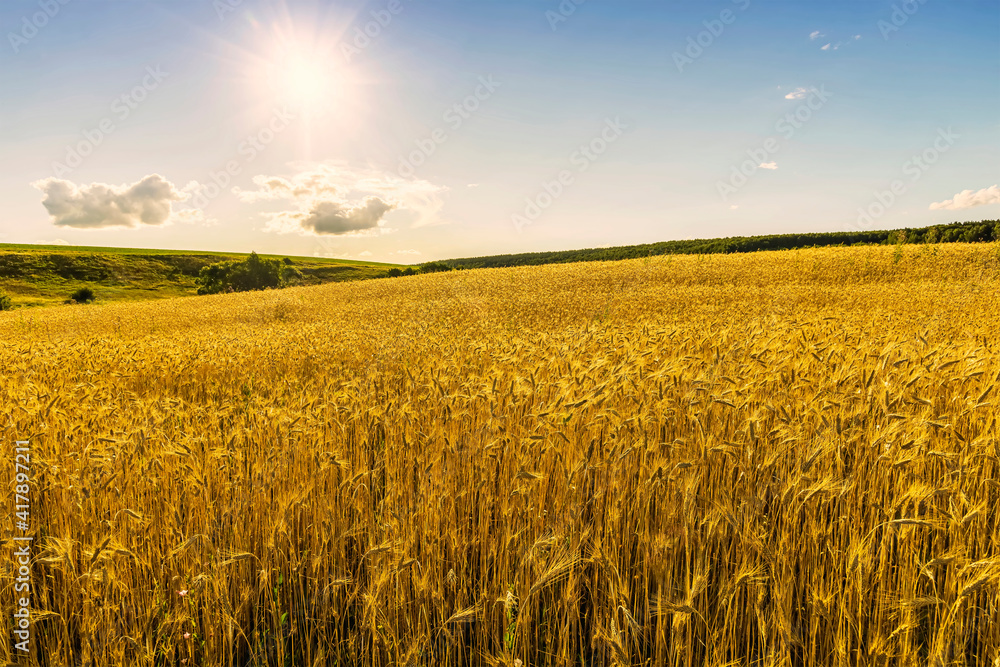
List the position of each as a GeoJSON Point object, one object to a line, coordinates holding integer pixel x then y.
{"type": "Point", "coordinates": [365, 253]}
{"type": "Point", "coordinates": [147, 202]}
{"type": "Point", "coordinates": [472, 185]}
{"type": "Point", "coordinates": [969, 199]}
{"type": "Point", "coordinates": [406, 252]}
{"type": "Point", "coordinates": [303, 185]}
{"type": "Point", "coordinates": [833, 46]}
{"type": "Point", "coordinates": [797, 94]}
{"type": "Point", "coordinates": [333, 217]}
{"type": "Point", "coordinates": [768, 165]}
{"type": "Point", "coordinates": [733, 207]}
{"type": "Point", "coordinates": [333, 199]}
{"type": "Point", "coordinates": [55, 242]}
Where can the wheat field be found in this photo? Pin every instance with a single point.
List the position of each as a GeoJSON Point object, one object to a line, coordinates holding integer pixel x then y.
{"type": "Point", "coordinates": [773, 459]}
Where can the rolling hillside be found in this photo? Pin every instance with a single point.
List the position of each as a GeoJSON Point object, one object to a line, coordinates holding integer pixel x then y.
{"type": "Point", "coordinates": [35, 275]}
{"type": "Point", "coordinates": [38, 275]}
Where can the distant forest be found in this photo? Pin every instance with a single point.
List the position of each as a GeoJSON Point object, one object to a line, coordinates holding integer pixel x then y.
{"type": "Point", "coordinates": [963, 232]}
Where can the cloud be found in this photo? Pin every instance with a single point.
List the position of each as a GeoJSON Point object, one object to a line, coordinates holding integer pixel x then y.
{"type": "Point", "coordinates": [55, 242]}
{"type": "Point", "coordinates": [147, 202]}
{"type": "Point", "coordinates": [969, 199]}
{"type": "Point", "coordinates": [332, 217]}
{"type": "Point", "coordinates": [406, 252]}
{"type": "Point", "coordinates": [797, 94]}
{"type": "Point", "coordinates": [733, 207]}
{"type": "Point", "coordinates": [365, 253]}
{"type": "Point", "coordinates": [334, 199]}
{"type": "Point", "coordinates": [307, 185]}
{"type": "Point", "coordinates": [832, 46]}
{"type": "Point", "coordinates": [836, 47]}
{"type": "Point", "coordinates": [768, 165]}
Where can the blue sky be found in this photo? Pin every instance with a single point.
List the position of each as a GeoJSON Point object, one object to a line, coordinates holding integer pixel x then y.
{"type": "Point", "coordinates": [467, 128]}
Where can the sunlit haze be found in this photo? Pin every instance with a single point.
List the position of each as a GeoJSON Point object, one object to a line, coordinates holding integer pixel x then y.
{"type": "Point", "coordinates": [411, 130]}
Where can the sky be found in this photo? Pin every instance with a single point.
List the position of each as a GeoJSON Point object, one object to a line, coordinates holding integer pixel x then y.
{"type": "Point", "coordinates": [413, 130]}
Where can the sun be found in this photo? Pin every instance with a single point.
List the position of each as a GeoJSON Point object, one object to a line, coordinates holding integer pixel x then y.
{"type": "Point", "coordinates": [297, 68]}
{"type": "Point", "coordinates": [304, 80]}
{"type": "Point", "coordinates": [307, 80]}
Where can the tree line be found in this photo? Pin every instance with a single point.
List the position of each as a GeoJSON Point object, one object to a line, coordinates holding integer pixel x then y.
{"type": "Point", "coordinates": [963, 232]}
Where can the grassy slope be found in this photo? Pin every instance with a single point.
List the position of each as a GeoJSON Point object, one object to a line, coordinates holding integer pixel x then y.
{"type": "Point", "coordinates": [36, 275]}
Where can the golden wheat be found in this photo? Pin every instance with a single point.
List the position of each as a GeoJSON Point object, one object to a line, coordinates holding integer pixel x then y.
{"type": "Point", "coordinates": [782, 458]}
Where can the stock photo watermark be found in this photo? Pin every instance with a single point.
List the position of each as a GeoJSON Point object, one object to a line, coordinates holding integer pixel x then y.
{"type": "Point", "coordinates": [22, 545]}
{"type": "Point", "coordinates": [901, 13]}
{"type": "Point", "coordinates": [914, 168]}
{"type": "Point", "coordinates": [364, 35]}
{"type": "Point", "coordinates": [565, 9]}
{"type": "Point", "coordinates": [697, 44]}
{"type": "Point", "coordinates": [454, 117]}
{"type": "Point", "coordinates": [582, 159]}
{"type": "Point", "coordinates": [223, 7]}
{"type": "Point", "coordinates": [33, 23]}
{"type": "Point", "coordinates": [762, 156]}
{"type": "Point", "coordinates": [121, 108]}
{"type": "Point", "coordinates": [247, 152]}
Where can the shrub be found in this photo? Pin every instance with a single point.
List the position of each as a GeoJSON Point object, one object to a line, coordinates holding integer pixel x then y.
{"type": "Point", "coordinates": [290, 274]}
{"type": "Point", "coordinates": [394, 273]}
{"type": "Point", "coordinates": [83, 295]}
{"type": "Point", "coordinates": [5, 302]}
{"type": "Point", "coordinates": [253, 273]}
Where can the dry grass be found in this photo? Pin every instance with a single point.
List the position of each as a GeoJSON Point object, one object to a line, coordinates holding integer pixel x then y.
{"type": "Point", "coordinates": [772, 459]}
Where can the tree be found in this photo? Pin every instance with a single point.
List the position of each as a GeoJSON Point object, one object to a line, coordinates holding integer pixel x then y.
{"type": "Point", "coordinates": [253, 273]}
{"type": "Point", "coordinates": [434, 267]}
{"type": "Point", "coordinates": [5, 302]}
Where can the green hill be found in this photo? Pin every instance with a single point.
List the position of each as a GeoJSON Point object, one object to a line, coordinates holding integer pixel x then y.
{"type": "Point", "coordinates": [37, 275]}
